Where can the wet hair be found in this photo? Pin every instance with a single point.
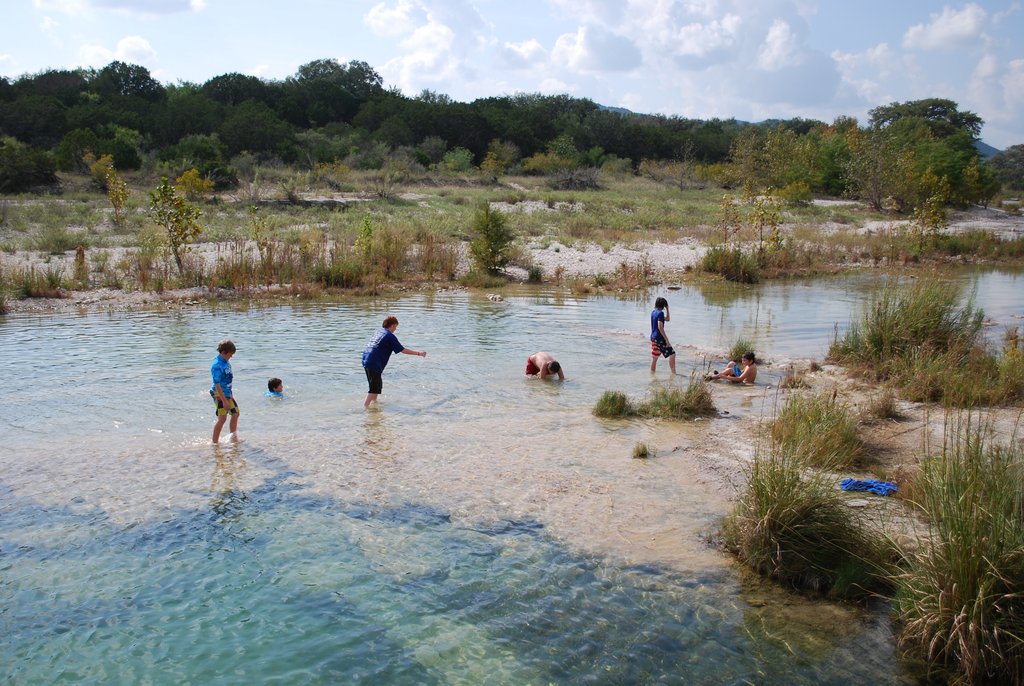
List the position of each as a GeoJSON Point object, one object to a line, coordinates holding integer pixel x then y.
{"type": "Point", "coordinates": [554, 367]}
{"type": "Point", "coordinates": [660, 304]}
{"type": "Point", "coordinates": [749, 356]}
{"type": "Point", "coordinates": [273, 383]}
{"type": "Point", "coordinates": [226, 346]}
{"type": "Point", "coordinates": [389, 322]}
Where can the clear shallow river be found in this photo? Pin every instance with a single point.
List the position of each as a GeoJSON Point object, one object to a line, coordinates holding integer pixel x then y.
{"type": "Point", "coordinates": [480, 528]}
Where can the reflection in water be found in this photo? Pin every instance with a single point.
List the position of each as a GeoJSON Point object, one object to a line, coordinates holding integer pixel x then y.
{"type": "Point", "coordinates": [228, 500]}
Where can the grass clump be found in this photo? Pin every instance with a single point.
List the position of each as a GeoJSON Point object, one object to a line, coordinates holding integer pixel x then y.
{"type": "Point", "coordinates": [680, 403]}
{"type": "Point", "coordinates": [960, 599]}
{"type": "Point", "coordinates": [733, 264]}
{"type": "Point", "coordinates": [614, 404]}
{"type": "Point", "coordinates": [930, 348]}
{"type": "Point", "coordinates": [793, 526]}
{"type": "Point", "coordinates": [818, 429]}
{"type": "Point", "coordinates": [641, 451]}
{"type": "Point", "coordinates": [669, 403]}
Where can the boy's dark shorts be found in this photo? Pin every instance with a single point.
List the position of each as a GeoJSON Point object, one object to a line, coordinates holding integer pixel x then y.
{"type": "Point", "coordinates": [375, 379]}
{"type": "Point", "coordinates": [221, 411]}
{"type": "Point", "coordinates": [658, 347]}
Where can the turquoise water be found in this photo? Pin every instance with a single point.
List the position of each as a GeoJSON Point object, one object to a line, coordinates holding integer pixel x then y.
{"type": "Point", "coordinates": [480, 528]}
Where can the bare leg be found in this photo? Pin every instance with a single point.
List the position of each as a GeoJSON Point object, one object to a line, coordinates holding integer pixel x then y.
{"type": "Point", "coordinates": [370, 398]}
{"type": "Point", "coordinates": [654, 362]}
{"type": "Point", "coordinates": [672, 362]}
{"type": "Point", "coordinates": [234, 426]}
{"type": "Point", "coordinates": [218, 426]}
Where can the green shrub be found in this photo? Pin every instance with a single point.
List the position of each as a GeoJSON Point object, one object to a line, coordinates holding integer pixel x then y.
{"type": "Point", "coordinates": [678, 403]}
{"type": "Point", "coordinates": [797, 193]}
{"type": "Point", "coordinates": [344, 273]}
{"type": "Point", "coordinates": [739, 348]}
{"type": "Point", "coordinates": [56, 239]}
{"type": "Point", "coordinates": [793, 526]}
{"type": "Point", "coordinates": [23, 168]}
{"type": "Point", "coordinates": [614, 404]}
{"type": "Point", "coordinates": [492, 240]}
{"type": "Point", "coordinates": [479, 279]}
{"type": "Point", "coordinates": [819, 430]}
{"type": "Point", "coordinates": [732, 263]}
{"type": "Point", "coordinates": [960, 600]}
{"type": "Point", "coordinates": [900, 320]}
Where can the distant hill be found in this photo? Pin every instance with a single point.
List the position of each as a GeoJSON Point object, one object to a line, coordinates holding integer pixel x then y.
{"type": "Point", "coordinates": [985, 150]}
{"type": "Point", "coordinates": [617, 110]}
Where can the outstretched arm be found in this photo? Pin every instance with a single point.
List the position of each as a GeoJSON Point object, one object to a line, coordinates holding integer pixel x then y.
{"type": "Point", "coordinates": [417, 353]}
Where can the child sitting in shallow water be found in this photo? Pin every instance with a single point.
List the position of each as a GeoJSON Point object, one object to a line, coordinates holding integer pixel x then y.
{"type": "Point", "coordinates": [275, 388]}
{"type": "Point", "coordinates": [733, 373]}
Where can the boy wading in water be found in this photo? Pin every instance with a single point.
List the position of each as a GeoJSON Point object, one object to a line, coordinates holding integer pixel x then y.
{"type": "Point", "coordinates": [659, 339]}
{"type": "Point", "coordinates": [221, 390]}
{"type": "Point", "coordinates": [378, 352]}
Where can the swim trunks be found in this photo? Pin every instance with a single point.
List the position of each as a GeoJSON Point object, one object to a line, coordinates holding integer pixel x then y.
{"type": "Point", "coordinates": [221, 410]}
{"type": "Point", "coordinates": [658, 347]}
{"type": "Point", "coordinates": [375, 379]}
{"type": "Point", "coordinates": [531, 368]}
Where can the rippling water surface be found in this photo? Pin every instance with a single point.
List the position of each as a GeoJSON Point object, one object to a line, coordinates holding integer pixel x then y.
{"type": "Point", "coordinates": [480, 528]}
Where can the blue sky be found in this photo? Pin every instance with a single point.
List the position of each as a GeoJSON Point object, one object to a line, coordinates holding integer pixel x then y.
{"type": "Point", "coordinates": [749, 59]}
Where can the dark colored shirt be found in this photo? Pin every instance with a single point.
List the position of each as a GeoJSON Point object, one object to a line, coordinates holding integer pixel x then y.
{"type": "Point", "coordinates": [378, 350]}
{"type": "Point", "coordinates": [656, 316]}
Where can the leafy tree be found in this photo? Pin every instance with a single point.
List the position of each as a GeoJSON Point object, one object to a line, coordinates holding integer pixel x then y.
{"type": "Point", "coordinates": [880, 170]}
{"type": "Point", "coordinates": [942, 117]}
{"type": "Point", "coordinates": [1009, 166]}
{"type": "Point", "coordinates": [192, 184]}
{"type": "Point", "coordinates": [458, 160]}
{"type": "Point", "coordinates": [38, 120]}
{"type": "Point", "coordinates": [492, 239]}
{"type": "Point", "coordinates": [255, 127]}
{"type": "Point", "coordinates": [177, 218]}
{"type": "Point", "coordinates": [23, 168]}
{"type": "Point", "coordinates": [71, 152]}
{"type": "Point", "coordinates": [128, 81]}
{"type": "Point", "coordinates": [117, 194]}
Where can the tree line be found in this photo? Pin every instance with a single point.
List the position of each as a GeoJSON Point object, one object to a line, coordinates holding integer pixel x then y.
{"type": "Point", "coordinates": [329, 113]}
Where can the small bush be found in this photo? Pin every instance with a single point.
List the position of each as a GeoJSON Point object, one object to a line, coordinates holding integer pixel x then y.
{"type": "Point", "coordinates": [641, 451]}
{"type": "Point", "coordinates": [794, 527]}
{"type": "Point", "coordinates": [343, 273]}
{"type": "Point", "coordinates": [739, 348]}
{"type": "Point", "coordinates": [56, 240]}
{"type": "Point", "coordinates": [614, 404]}
{"type": "Point", "coordinates": [578, 179]}
{"type": "Point", "coordinates": [882, 406]}
{"type": "Point", "coordinates": [492, 239]}
{"type": "Point", "coordinates": [819, 430]}
{"type": "Point", "coordinates": [960, 600]}
{"type": "Point", "coordinates": [535, 274]}
{"type": "Point", "coordinates": [676, 403]}
{"type": "Point", "coordinates": [733, 264]}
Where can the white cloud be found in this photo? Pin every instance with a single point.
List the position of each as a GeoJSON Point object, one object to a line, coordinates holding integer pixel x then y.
{"type": "Point", "coordinates": [401, 19]}
{"type": "Point", "coordinates": [594, 49]}
{"type": "Point", "coordinates": [710, 42]}
{"type": "Point", "coordinates": [1013, 87]}
{"type": "Point", "coordinates": [522, 55]}
{"type": "Point", "coordinates": [555, 87]}
{"type": "Point", "coordinates": [779, 48]}
{"type": "Point", "coordinates": [946, 30]}
{"type": "Point", "coordinates": [47, 25]}
{"type": "Point", "coordinates": [132, 49]}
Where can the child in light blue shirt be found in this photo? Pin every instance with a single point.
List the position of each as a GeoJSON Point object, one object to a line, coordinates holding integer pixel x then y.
{"type": "Point", "coordinates": [275, 388]}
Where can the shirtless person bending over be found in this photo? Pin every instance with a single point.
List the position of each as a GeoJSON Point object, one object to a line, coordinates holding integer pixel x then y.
{"type": "Point", "coordinates": [545, 365]}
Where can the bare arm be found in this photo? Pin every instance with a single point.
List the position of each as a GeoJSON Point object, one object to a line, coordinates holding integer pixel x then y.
{"type": "Point", "coordinates": [661, 330]}
{"type": "Point", "coordinates": [417, 353]}
{"type": "Point", "coordinates": [748, 375]}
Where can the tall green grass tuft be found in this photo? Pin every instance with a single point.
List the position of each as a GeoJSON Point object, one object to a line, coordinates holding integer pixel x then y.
{"type": "Point", "coordinates": [668, 403]}
{"type": "Point", "coordinates": [901, 321]}
{"type": "Point", "coordinates": [930, 348]}
{"type": "Point", "coordinates": [819, 430]}
{"type": "Point", "coordinates": [614, 404]}
{"type": "Point", "coordinates": [733, 264]}
{"type": "Point", "coordinates": [680, 403]}
{"type": "Point", "coordinates": [792, 525]}
{"type": "Point", "coordinates": [960, 599]}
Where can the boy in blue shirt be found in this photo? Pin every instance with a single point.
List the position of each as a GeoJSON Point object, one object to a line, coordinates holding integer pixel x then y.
{"type": "Point", "coordinates": [378, 353]}
{"type": "Point", "coordinates": [659, 339]}
{"type": "Point", "coordinates": [221, 390]}
{"type": "Point", "coordinates": [275, 388]}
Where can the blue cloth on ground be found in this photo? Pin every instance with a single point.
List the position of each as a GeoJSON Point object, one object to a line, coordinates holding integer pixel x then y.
{"type": "Point", "coordinates": [872, 485]}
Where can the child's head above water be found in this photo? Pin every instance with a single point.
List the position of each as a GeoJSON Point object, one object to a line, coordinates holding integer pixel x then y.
{"type": "Point", "coordinates": [275, 385]}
